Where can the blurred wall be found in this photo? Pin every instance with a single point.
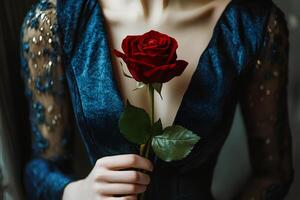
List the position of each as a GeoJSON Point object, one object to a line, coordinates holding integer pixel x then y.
{"type": "Point", "coordinates": [14, 128]}
{"type": "Point", "coordinates": [233, 165]}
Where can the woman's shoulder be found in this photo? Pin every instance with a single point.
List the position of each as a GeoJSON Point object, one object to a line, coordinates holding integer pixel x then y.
{"type": "Point", "coordinates": [244, 27]}
{"type": "Point", "coordinates": [43, 11]}
{"type": "Point", "coordinates": [40, 43]}
{"type": "Point", "coordinates": [40, 25]}
{"type": "Point", "coordinates": [256, 9]}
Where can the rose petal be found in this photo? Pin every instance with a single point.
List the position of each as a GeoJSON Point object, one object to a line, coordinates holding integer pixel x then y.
{"type": "Point", "coordinates": [135, 71]}
{"type": "Point", "coordinates": [140, 47]}
{"type": "Point", "coordinates": [172, 52]}
{"type": "Point", "coordinates": [155, 60]}
{"type": "Point", "coordinates": [180, 66]}
{"type": "Point", "coordinates": [165, 73]}
{"type": "Point", "coordinates": [158, 74]}
{"type": "Point", "coordinates": [151, 57]}
{"type": "Point", "coordinates": [126, 44]}
{"type": "Point", "coordinates": [134, 47]}
{"type": "Point", "coordinates": [161, 49]}
{"type": "Point", "coordinates": [152, 34]}
{"type": "Point", "coordinates": [119, 54]}
{"type": "Point", "coordinates": [139, 62]}
{"type": "Point", "coordinates": [137, 68]}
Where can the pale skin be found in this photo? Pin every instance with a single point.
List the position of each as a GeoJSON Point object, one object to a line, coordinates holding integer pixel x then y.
{"type": "Point", "coordinates": [191, 22]}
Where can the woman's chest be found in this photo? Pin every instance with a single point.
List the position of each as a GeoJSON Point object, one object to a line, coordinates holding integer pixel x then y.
{"type": "Point", "coordinates": [192, 29]}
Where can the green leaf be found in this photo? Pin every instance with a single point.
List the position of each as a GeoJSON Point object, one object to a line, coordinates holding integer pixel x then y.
{"type": "Point", "coordinates": [157, 87]}
{"type": "Point", "coordinates": [135, 124]}
{"type": "Point", "coordinates": [175, 143]}
{"type": "Point", "coordinates": [156, 128]}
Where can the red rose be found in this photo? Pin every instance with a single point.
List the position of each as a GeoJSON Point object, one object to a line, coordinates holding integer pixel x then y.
{"type": "Point", "coordinates": [151, 57]}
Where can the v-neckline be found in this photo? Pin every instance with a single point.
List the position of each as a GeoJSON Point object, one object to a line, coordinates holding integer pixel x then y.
{"type": "Point", "coordinates": [208, 46]}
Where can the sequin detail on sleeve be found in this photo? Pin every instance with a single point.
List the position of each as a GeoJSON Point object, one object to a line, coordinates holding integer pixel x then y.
{"type": "Point", "coordinates": [45, 86]}
{"type": "Point", "coordinates": [45, 80]}
{"type": "Point", "coordinates": [265, 111]}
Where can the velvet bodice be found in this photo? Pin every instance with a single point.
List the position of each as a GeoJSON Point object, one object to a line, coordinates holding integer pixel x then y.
{"type": "Point", "coordinates": [96, 99]}
{"type": "Point", "coordinates": [207, 108]}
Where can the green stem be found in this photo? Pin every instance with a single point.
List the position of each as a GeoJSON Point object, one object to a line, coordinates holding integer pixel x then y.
{"type": "Point", "coordinates": [146, 150]}
{"type": "Point", "coordinates": [151, 91]}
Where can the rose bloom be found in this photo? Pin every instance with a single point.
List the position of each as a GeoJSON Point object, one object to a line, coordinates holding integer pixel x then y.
{"type": "Point", "coordinates": [151, 57]}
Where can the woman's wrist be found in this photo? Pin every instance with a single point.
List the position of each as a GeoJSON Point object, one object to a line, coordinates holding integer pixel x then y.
{"type": "Point", "coordinates": [69, 189]}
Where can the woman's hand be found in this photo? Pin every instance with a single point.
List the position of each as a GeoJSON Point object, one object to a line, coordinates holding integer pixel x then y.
{"type": "Point", "coordinates": [112, 179]}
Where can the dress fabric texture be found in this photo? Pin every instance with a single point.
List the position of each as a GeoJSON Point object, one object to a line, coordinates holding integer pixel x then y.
{"type": "Point", "coordinates": [67, 69]}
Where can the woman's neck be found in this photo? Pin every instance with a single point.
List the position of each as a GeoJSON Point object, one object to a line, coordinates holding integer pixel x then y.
{"type": "Point", "coordinates": [154, 8]}
{"type": "Point", "coordinates": [153, 11]}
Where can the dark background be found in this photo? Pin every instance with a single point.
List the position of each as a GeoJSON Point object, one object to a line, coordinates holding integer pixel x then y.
{"type": "Point", "coordinates": [233, 166]}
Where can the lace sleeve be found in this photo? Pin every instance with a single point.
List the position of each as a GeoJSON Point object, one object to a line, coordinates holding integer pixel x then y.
{"type": "Point", "coordinates": [265, 111]}
{"type": "Point", "coordinates": [46, 174]}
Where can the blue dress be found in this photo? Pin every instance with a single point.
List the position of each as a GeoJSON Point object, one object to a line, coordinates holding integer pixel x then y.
{"type": "Point", "coordinates": [67, 69]}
